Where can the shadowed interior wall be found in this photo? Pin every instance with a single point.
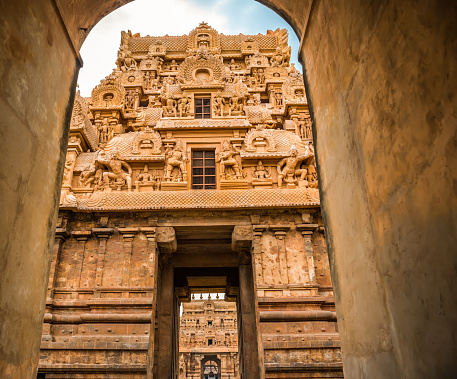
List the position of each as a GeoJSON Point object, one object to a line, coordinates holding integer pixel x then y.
{"type": "Point", "coordinates": [382, 81]}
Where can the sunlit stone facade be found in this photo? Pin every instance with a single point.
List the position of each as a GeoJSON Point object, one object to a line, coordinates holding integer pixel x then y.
{"type": "Point", "coordinates": [191, 168]}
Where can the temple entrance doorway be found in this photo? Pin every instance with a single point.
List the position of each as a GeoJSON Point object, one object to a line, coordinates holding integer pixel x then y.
{"type": "Point", "coordinates": [211, 368]}
{"type": "Point", "coordinates": [215, 287]}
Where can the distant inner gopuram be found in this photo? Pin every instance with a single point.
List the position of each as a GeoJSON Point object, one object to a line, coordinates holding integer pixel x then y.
{"type": "Point", "coordinates": [191, 169]}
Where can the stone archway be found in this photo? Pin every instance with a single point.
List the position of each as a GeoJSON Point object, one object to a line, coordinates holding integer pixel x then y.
{"type": "Point", "coordinates": [384, 126]}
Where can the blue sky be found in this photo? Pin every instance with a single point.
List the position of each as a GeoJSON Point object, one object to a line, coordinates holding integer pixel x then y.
{"type": "Point", "coordinates": [172, 17]}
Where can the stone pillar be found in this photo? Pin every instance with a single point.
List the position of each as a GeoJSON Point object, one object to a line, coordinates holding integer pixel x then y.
{"type": "Point", "coordinates": [165, 333]}
{"type": "Point", "coordinates": [153, 261]}
{"type": "Point", "coordinates": [257, 252]}
{"type": "Point", "coordinates": [280, 232]}
{"type": "Point", "coordinates": [61, 236]}
{"type": "Point", "coordinates": [128, 234]}
{"type": "Point", "coordinates": [307, 231]}
{"type": "Point", "coordinates": [250, 335]}
{"type": "Point", "coordinates": [103, 234]}
{"type": "Point", "coordinates": [81, 236]}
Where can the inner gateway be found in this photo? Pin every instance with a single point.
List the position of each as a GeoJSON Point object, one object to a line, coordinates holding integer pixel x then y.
{"type": "Point", "coordinates": [175, 186]}
{"type": "Point", "coordinates": [208, 336]}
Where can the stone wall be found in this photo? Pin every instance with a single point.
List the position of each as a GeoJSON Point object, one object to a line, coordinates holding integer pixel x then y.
{"type": "Point", "coordinates": [386, 147]}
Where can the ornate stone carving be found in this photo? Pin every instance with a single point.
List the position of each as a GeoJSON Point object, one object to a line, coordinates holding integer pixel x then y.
{"type": "Point", "coordinates": [175, 164]}
{"type": "Point", "coordinates": [230, 166]}
{"type": "Point", "coordinates": [157, 49]}
{"type": "Point", "coordinates": [132, 78]}
{"type": "Point", "coordinates": [105, 132]}
{"type": "Point", "coordinates": [115, 171]}
{"type": "Point", "coordinates": [280, 58]}
{"type": "Point", "coordinates": [289, 170]}
{"type": "Point", "coordinates": [147, 142]}
{"type": "Point", "coordinates": [259, 140]}
{"type": "Point", "coordinates": [218, 104]}
{"type": "Point", "coordinates": [108, 94]}
{"type": "Point", "coordinates": [203, 37]}
{"type": "Point", "coordinates": [147, 117]}
{"type": "Point", "coordinates": [256, 114]}
{"type": "Point", "coordinates": [201, 70]}
{"type": "Point", "coordinates": [147, 179]}
{"type": "Point", "coordinates": [184, 105]}
{"type": "Point", "coordinates": [304, 126]}
{"type": "Point", "coordinates": [260, 172]}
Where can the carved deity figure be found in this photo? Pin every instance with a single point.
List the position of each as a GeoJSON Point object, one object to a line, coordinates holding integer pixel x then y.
{"type": "Point", "coordinates": [260, 77]}
{"type": "Point", "coordinates": [129, 61]}
{"type": "Point", "coordinates": [184, 105]}
{"type": "Point", "coordinates": [170, 107]}
{"type": "Point", "coordinates": [287, 167]}
{"type": "Point", "coordinates": [68, 169]}
{"type": "Point", "coordinates": [234, 66]}
{"type": "Point", "coordinates": [87, 176]}
{"type": "Point", "coordinates": [304, 126]}
{"type": "Point", "coordinates": [311, 177]}
{"type": "Point", "coordinates": [173, 66]}
{"type": "Point", "coordinates": [115, 170]}
{"type": "Point", "coordinates": [175, 159]}
{"type": "Point", "coordinates": [219, 103]}
{"type": "Point", "coordinates": [147, 178]}
{"type": "Point", "coordinates": [228, 162]}
{"type": "Point", "coordinates": [130, 100]}
{"type": "Point", "coordinates": [260, 172]}
{"type": "Point", "coordinates": [104, 132]}
{"type": "Point", "coordinates": [278, 58]}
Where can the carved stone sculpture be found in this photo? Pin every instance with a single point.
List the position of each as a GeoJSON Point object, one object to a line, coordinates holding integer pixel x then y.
{"type": "Point", "coordinates": [87, 176]}
{"type": "Point", "coordinates": [260, 172]}
{"type": "Point", "coordinates": [175, 162]}
{"type": "Point", "coordinates": [230, 167]}
{"type": "Point", "coordinates": [147, 178]}
{"type": "Point", "coordinates": [219, 104]}
{"type": "Point", "coordinates": [115, 170]}
{"type": "Point", "coordinates": [184, 106]}
{"type": "Point", "coordinates": [288, 168]}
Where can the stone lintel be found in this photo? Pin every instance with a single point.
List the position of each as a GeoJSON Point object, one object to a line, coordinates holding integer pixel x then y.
{"type": "Point", "coordinates": [81, 235]}
{"type": "Point", "coordinates": [242, 236]}
{"type": "Point", "coordinates": [166, 239]}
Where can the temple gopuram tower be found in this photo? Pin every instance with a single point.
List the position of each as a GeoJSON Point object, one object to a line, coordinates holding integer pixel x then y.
{"type": "Point", "coordinates": [191, 169]}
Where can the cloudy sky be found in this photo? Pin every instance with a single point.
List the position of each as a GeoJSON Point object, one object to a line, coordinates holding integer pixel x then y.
{"type": "Point", "coordinates": [172, 17]}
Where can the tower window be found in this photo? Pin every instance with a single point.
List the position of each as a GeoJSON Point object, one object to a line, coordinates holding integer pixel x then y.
{"type": "Point", "coordinates": [210, 342]}
{"type": "Point", "coordinates": [202, 107]}
{"type": "Point", "coordinates": [203, 169]}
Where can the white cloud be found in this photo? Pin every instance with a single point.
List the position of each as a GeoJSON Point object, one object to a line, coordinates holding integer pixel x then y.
{"type": "Point", "coordinates": [156, 18]}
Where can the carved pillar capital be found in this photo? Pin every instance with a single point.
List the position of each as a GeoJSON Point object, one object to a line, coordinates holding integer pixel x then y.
{"type": "Point", "coordinates": [81, 235]}
{"type": "Point", "coordinates": [128, 234]}
{"type": "Point", "coordinates": [150, 232]}
{"type": "Point", "coordinates": [307, 228]}
{"type": "Point", "coordinates": [102, 233]}
{"type": "Point", "coordinates": [280, 231]}
{"type": "Point", "coordinates": [61, 235]}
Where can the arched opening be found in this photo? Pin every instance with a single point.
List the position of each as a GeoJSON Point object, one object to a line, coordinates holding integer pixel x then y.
{"type": "Point", "coordinates": [385, 102]}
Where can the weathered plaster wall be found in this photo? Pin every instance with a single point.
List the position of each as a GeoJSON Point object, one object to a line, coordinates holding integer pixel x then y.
{"type": "Point", "coordinates": [37, 74]}
{"type": "Point", "coordinates": [382, 80]}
